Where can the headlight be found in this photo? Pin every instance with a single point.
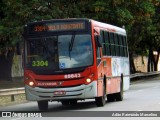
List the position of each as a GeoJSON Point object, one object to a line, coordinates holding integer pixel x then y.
{"type": "Point", "coordinates": [88, 80]}
{"type": "Point", "coordinates": [31, 83]}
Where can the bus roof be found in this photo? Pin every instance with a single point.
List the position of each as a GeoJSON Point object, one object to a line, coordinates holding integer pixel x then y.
{"type": "Point", "coordinates": [108, 27]}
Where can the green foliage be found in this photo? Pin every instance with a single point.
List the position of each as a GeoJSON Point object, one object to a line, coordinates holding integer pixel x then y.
{"type": "Point", "coordinates": [124, 15]}
{"type": "Point", "coordinates": [140, 18]}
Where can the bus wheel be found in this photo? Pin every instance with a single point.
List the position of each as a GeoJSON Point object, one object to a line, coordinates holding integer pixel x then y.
{"type": "Point", "coordinates": [42, 105]}
{"type": "Point", "coordinates": [73, 102]}
{"type": "Point", "coordinates": [110, 97]}
{"type": "Point", "coordinates": [119, 96]}
{"type": "Point", "coordinates": [100, 101]}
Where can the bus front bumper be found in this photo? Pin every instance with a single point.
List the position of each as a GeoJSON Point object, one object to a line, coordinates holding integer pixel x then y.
{"type": "Point", "coordinates": [58, 94]}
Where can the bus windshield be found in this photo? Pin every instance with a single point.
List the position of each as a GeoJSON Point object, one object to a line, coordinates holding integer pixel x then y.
{"type": "Point", "coordinates": [59, 52]}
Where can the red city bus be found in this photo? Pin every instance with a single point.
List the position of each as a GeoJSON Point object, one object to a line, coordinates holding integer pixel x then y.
{"type": "Point", "coordinates": [67, 60]}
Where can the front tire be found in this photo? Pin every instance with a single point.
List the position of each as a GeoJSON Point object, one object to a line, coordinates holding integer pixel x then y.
{"type": "Point", "coordinates": [42, 105]}
{"type": "Point", "coordinates": [73, 102]}
{"type": "Point", "coordinates": [111, 97]}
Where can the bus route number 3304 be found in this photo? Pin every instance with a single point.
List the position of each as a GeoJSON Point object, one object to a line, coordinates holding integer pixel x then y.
{"type": "Point", "coordinates": [39, 63]}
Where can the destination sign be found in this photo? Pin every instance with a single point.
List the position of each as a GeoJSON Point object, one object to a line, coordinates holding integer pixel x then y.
{"type": "Point", "coordinates": [62, 26]}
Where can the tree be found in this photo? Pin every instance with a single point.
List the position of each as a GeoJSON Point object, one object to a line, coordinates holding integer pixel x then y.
{"type": "Point", "coordinates": [140, 19]}
{"type": "Point", "coordinates": [15, 14]}
{"type": "Point", "coordinates": [154, 35]}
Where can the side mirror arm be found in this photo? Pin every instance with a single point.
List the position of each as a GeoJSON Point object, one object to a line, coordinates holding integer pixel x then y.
{"type": "Point", "coordinates": [98, 40]}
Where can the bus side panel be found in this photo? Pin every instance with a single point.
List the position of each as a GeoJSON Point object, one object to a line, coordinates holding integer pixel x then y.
{"type": "Point", "coordinates": [100, 72]}
{"type": "Point", "coordinates": [112, 72]}
{"type": "Point", "coordinates": [112, 68]}
{"type": "Point", "coordinates": [116, 67]}
{"type": "Point", "coordinates": [104, 69]}
{"type": "Point", "coordinates": [115, 85]}
{"type": "Point", "coordinates": [121, 66]}
{"type": "Point", "coordinates": [108, 73]}
{"type": "Point", "coordinates": [126, 73]}
{"type": "Point", "coordinates": [107, 67]}
{"type": "Point", "coordinates": [100, 87]}
{"type": "Point", "coordinates": [126, 83]}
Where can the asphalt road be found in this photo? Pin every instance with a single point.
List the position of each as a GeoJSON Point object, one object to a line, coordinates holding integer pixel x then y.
{"type": "Point", "coordinates": [143, 95]}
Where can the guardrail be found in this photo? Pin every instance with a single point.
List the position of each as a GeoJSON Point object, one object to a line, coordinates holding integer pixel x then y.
{"type": "Point", "coordinates": [144, 74]}
{"type": "Point", "coordinates": [15, 91]}
{"type": "Point", "coordinates": [12, 92]}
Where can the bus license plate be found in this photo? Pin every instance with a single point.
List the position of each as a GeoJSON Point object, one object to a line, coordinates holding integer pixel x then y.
{"type": "Point", "coordinates": [59, 93]}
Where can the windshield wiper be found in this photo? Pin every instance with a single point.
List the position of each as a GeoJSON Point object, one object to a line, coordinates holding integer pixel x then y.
{"type": "Point", "coordinates": [71, 45]}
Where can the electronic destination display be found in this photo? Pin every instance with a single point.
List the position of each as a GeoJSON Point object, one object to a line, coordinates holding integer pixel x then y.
{"type": "Point", "coordinates": [57, 26]}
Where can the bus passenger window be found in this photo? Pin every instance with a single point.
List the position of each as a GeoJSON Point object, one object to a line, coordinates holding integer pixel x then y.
{"type": "Point", "coordinates": [116, 39]}
{"type": "Point", "coordinates": [107, 43]}
{"type": "Point", "coordinates": [116, 44]}
{"type": "Point", "coordinates": [103, 43]}
{"type": "Point", "coordinates": [112, 44]}
{"type": "Point", "coordinates": [111, 38]}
